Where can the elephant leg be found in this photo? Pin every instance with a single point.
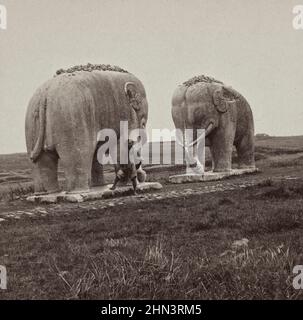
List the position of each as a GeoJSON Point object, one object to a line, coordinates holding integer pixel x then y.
{"type": "Point", "coordinates": [77, 166]}
{"type": "Point", "coordinates": [45, 173]}
{"type": "Point", "coordinates": [245, 151]}
{"type": "Point", "coordinates": [97, 175]}
{"type": "Point", "coordinates": [221, 150]}
{"type": "Point", "coordinates": [221, 159]}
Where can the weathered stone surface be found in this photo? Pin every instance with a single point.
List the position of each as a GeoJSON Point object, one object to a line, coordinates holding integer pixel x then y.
{"type": "Point", "coordinates": [97, 193]}
{"type": "Point", "coordinates": [209, 176]}
{"type": "Point", "coordinates": [65, 116]}
{"type": "Point", "coordinates": [47, 198]}
{"type": "Point", "coordinates": [225, 115]}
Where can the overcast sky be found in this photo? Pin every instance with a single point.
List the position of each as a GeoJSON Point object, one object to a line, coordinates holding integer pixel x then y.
{"type": "Point", "coordinates": [250, 45]}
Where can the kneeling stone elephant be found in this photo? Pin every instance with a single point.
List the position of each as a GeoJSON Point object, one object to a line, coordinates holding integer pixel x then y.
{"type": "Point", "coordinates": [205, 103]}
{"type": "Point", "coordinates": [65, 115]}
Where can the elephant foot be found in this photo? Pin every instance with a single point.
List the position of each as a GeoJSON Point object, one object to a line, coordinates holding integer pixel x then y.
{"type": "Point", "coordinates": [222, 166]}
{"type": "Point", "coordinates": [97, 181]}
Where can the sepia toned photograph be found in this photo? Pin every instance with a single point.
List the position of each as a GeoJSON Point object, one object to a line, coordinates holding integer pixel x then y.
{"type": "Point", "coordinates": [151, 151]}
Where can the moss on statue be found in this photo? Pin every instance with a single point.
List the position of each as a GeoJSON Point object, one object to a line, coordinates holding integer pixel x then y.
{"type": "Point", "coordinates": [91, 67]}
{"type": "Point", "coordinates": [201, 78]}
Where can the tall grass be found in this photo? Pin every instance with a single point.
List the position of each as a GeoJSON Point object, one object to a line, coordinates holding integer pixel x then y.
{"type": "Point", "coordinates": [158, 273]}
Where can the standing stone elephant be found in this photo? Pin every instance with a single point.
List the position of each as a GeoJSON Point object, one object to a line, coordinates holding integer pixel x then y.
{"type": "Point", "coordinates": [205, 103]}
{"type": "Point", "coordinates": [65, 115]}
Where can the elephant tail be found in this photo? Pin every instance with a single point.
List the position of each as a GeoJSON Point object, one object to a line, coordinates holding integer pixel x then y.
{"type": "Point", "coordinates": [35, 153]}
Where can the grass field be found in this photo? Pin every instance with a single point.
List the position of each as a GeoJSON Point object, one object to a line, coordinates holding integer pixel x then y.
{"type": "Point", "coordinates": [185, 247]}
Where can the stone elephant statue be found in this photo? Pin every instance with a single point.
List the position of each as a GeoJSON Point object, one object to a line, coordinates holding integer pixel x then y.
{"type": "Point", "coordinates": [225, 115]}
{"type": "Point", "coordinates": [65, 115]}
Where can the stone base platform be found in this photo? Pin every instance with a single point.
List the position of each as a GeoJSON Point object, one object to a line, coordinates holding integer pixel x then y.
{"type": "Point", "coordinates": [97, 193]}
{"type": "Point", "coordinates": [209, 176]}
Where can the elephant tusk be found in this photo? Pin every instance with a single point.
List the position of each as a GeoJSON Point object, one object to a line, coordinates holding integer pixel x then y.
{"type": "Point", "coordinates": [206, 133]}
{"type": "Point", "coordinates": [202, 136]}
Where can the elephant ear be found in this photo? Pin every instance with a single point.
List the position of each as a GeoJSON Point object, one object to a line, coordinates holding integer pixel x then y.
{"type": "Point", "coordinates": [133, 96]}
{"type": "Point", "coordinates": [223, 98]}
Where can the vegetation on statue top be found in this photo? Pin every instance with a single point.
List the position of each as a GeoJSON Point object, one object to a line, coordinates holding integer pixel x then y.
{"type": "Point", "coordinates": [89, 67]}
{"type": "Point", "coordinates": [201, 78]}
